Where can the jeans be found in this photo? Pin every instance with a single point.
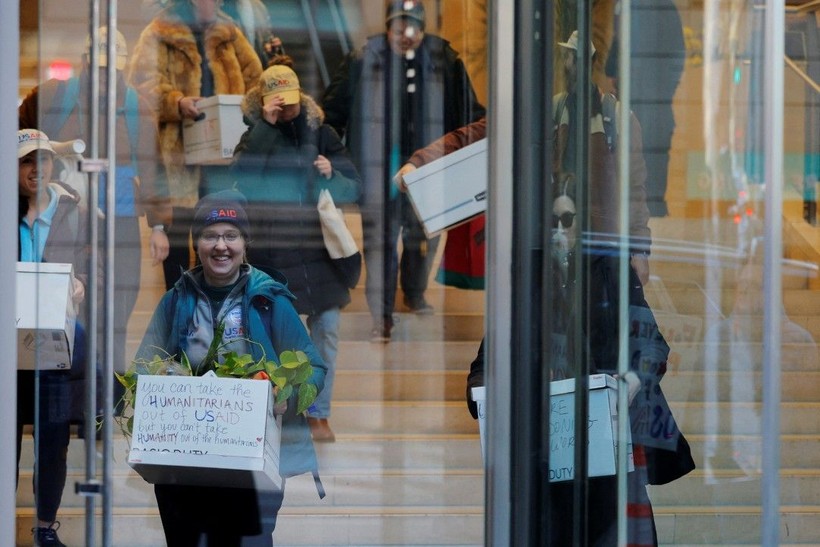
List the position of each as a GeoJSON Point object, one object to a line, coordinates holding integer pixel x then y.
{"type": "Point", "coordinates": [51, 434]}
{"type": "Point", "coordinates": [381, 234]}
{"type": "Point", "coordinates": [324, 332]}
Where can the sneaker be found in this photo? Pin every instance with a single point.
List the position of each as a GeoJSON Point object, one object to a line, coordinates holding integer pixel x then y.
{"type": "Point", "coordinates": [47, 536]}
{"type": "Point", "coordinates": [382, 331]}
{"type": "Point", "coordinates": [419, 306]}
{"type": "Point", "coordinates": [320, 430]}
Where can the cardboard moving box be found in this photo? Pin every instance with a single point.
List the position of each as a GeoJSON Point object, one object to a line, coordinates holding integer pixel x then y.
{"type": "Point", "coordinates": [603, 427]}
{"type": "Point", "coordinates": [45, 316]}
{"type": "Point", "coordinates": [204, 430]}
{"type": "Point", "coordinates": [602, 450]}
{"type": "Point", "coordinates": [211, 139]}
{"type": "Point", "coordinates": [451, 190]}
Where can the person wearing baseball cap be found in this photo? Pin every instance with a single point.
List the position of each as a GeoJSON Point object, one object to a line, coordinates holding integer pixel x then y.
{"type": "Point", "coordinates": [286, 157]}
{"type": "Point", "coordinates": [29, 140]}
{"type": "Point", "coordinates": [407, 9]}
{"type": "Point", "coordinates": [281, 81]}
{"type": "Point", "coordinates": [52, 227]}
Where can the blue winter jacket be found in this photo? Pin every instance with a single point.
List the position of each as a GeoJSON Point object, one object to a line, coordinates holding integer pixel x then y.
{"type": "Point", "coordinates": [263, 296]}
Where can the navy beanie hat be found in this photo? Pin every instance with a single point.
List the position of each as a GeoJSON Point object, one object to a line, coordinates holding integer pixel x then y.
{"type": "Point", "coordinates": [224, 206]}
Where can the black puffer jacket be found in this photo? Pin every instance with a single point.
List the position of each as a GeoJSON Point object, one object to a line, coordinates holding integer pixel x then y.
{"type": "Point", "coordinates": [273, 167]}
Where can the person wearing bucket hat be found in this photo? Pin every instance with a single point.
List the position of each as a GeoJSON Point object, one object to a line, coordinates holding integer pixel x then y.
{"type": "Point", "coordinates": [259, 319]}
{"type": "Point", "coordinates": [62, 108]}
{"type": "Point", "coordinates": [288, 142]}
{"type": "Point", "coordinates": [402, 90]}
{"type": "Point", "coordinates": [52, 228]}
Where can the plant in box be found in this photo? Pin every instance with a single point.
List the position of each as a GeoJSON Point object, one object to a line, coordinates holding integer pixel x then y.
{"type": "Point", "coordinates": [289, 376]}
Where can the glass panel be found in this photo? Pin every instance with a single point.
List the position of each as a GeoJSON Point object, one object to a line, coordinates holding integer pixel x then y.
{"type": "Point", "coordinates": [696, 226]}
{"type": "Point", "coordinates": [397, 450]}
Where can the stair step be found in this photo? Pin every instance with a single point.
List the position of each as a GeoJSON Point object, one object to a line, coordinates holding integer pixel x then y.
{"type": "Point", "coordinates": [799, 525]}
{"type": "Point", "coordinates": [423, 525]}
{"type": "Point", "coordinates": [744, 418]}
{"type": "Point", "coordinates": [354, 490]}
{"type": "Point", "coordinates": [360, 452]}
{"type": "Point", "coordinates": [721, 489]}
{"type": "Point", "coordinates": [357, 325]}
{"type": "Point", "coordinates": [796, 386]}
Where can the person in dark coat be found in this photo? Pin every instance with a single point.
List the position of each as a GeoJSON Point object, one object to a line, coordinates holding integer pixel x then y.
{"type": "Point", "coordinates": [286, 157]}
{"type": "Point", "coordinates": [401, 91]}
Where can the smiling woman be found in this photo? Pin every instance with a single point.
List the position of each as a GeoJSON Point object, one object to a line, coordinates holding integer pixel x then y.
{"type": "Point", "coordinates": [220, 234]}
{"type": "Point", "coordinates": [226, 303]}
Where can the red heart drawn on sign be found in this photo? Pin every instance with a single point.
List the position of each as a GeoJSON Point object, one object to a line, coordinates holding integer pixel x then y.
{"type": "Point", "coordinates": [259, 439]}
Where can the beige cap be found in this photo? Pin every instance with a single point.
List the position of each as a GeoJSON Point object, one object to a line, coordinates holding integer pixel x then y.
{"type": "Point", "coordinates": [29, 140]}
{"type": "Point", "coordinates": [280, 80]}
{"type": "Point", "coordinates": [122, 48]}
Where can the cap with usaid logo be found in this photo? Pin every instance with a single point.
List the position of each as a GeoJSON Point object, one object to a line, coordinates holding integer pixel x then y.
{"type": "Point", "coordinates": [282, 81]}
{"type": "Point", "coordinates": [29, 140]}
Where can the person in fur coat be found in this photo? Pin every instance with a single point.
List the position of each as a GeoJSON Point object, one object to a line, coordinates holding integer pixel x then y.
{"type": "Point", "coordinates": [283, 161]}
{"type": "Point", "coordinates": [189, 51]}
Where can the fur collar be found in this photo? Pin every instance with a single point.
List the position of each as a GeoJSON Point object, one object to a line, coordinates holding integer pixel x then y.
{"type": "Point", "coordinates": [172, 29]}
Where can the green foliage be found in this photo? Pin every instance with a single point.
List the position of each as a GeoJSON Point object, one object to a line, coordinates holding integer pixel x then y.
{"type": "Point", "coordinates": [288, 378]}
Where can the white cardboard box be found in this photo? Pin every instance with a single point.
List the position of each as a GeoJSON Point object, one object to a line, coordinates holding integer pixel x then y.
{"type": "Point", "coordinates": [204, 430]}
{"type": "Point", "coordinates": [212, 139]}
{"type": "Point", "coordinates": [45, 316]}
{"type": "Point", "coordinates": [450, 190]}
{"type": "Point", "coordinates": [603, 427]}
{"type": "Point", "coordinates": [479, 395]}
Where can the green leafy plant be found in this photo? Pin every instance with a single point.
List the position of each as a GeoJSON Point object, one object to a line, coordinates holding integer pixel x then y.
{"type": "Point", "coordinates": [290, 376]}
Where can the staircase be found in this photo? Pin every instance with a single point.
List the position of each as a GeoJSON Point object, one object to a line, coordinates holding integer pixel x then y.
{"type": "Point", "coordinates": [406, 468]}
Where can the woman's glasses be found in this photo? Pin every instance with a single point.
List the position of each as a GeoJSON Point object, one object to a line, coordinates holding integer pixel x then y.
{"type": "Point", "coordinates": [211, 238]}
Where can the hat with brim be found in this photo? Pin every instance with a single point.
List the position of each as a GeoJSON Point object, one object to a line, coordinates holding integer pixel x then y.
{"type": "Point", "coordinates": [29, 140]}
{"type": "Point", "coordinates": [281, 81]}
{"type": "Point", "coordinates": [572, 43]}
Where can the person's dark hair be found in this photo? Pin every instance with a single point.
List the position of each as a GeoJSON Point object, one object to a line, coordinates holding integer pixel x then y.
{"type": "Point", "coordinates": [283, 60]}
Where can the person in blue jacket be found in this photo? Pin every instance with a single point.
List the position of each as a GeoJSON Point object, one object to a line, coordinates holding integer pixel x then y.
{"type": "Point", "coordinates": [282, 162]}
{"type": "Point", "coordinates": [259, 319]}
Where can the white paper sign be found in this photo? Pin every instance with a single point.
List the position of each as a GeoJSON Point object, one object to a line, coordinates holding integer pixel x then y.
{"type": "Point", "coordinates": [200, 415]}
{"type": "Point", "coordinates": [602, 429]}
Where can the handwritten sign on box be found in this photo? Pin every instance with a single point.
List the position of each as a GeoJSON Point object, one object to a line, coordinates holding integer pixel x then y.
{"type": "Point", "coordinates": [602, 424]}
{"type": "Point", "coordinates": [603, 427]}
{"type": "Point", "coordinates": [184, 425]}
